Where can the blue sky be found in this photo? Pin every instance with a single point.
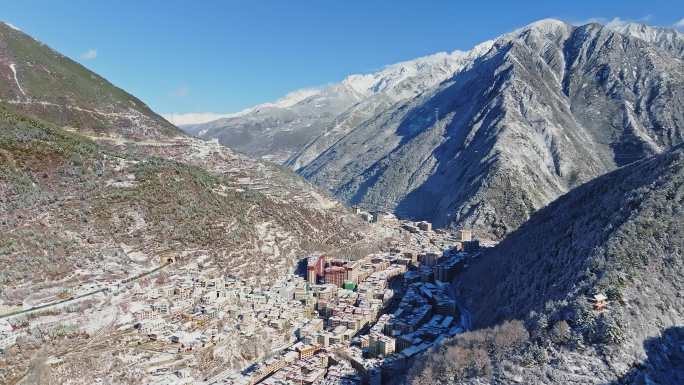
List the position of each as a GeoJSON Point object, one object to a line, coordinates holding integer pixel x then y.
{"type": "Point", "coordinates": [223, 56]}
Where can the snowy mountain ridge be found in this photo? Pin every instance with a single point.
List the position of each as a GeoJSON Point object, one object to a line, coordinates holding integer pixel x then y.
{"type": "Point", "coordinates": [445, 137]}
{"type": "Point", "coordinates": [667, 38]}
{"type": "Point", "coordinates": [387, 79]}
{"type": "Point", "coordinates": [279, 130]}
{"type": "Point", "coordinates": [547, 107]}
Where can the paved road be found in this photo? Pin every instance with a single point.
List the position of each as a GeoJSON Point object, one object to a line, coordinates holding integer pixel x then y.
{"type": "Point", "coordinates": [81, 296]}
{"type": "Point", "coordinates": [39, 307]}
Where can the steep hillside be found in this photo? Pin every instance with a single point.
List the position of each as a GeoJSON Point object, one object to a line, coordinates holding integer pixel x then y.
{"type": "Point", "coordinates": [621, 235]}
{"type": "Point", "coordinates": [547, 107]}
{"type": "Point", "coordinates": [278, 131]}
{"type": "Point", "coordinates": [273, 131]}
{"type": "Point", "coordinates": [40, 82]}
{"type": "Point", "coordinates": [68, 202]}
{"type": "Point", "coordinates": [99, 193]}
{"type": "Point", "coordinates": [79, 183]}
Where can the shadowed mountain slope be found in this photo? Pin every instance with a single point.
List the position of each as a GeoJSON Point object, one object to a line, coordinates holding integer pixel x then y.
{"type": "Point", "coordinates": [548, 107]}
{"type": "Point", "coordinates": [621, 235]}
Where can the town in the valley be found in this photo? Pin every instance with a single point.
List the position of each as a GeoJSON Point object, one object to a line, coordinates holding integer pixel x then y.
{"type": "Point", "coordinates": [334, 321]}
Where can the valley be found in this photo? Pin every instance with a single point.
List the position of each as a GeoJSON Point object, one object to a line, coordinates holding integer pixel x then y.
{"type": "Point", "coordinates": [508, 214]}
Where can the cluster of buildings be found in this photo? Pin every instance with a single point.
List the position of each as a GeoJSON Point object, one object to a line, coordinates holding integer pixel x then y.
{"type": "Point", "coordinates": [344, 322]}
{"type": "Point", "coordinates": [184, 309]}
{"type": "Point", "coordinates": [375, 216]}
{"type": "Point", "coordinates": [370, 317]}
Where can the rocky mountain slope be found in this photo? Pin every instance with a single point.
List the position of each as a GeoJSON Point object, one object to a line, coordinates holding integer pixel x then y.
{"type": "Point", "coordinates": [68, 202]}
{"type": "Point", "coordinates": [105, 184]}
{"type": "Point", "coordinates": [547, 107]}
{"type": "Point", "coordinates": [39, 82]}
{"type": "Point", "coordinates": [621, 235]}
{"type": "Point", "coordinates": [277, 131]}
{"type": "Point", "coordinates": [668, 39]}
{"type": "Point", "coordinates": [80, 210]}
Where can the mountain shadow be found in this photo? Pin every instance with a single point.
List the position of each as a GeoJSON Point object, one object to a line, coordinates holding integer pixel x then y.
{"type": "Point", "coordinates": [664, 364]}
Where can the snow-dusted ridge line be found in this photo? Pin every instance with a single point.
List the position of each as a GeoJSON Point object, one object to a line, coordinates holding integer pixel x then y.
{"type": "Point", "coordinates": [362, 84]}
{"type": "Point", "coordinates": [14, 27]}
{"type": "Point", "coordinates": [373, 83]}
{"type": "Point", "coordinates": [650, 34]}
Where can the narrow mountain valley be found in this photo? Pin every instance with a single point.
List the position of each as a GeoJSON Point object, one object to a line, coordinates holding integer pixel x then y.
{"type": "Point", "coordinates": [511, 214]}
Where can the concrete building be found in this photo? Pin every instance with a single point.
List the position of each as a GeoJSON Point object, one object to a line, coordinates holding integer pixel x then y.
{"type": "Point", "coordinates": [471, 246]}
{"type": "Point", "coordinates": [464, 235]}
{"type": "Point", "coordinates": [306, 351]}
{"type": "Point", "coordinates": [382, 216]}
{"type": "Point", "coordinates": [381, 345]}
{"type": "Point", "coordinates": [314, 268]}
{"type": "Point", "coordinates": [425, 226]}
{"type": "Point", "coordinates": [429, 259]}
{"type": "Point", "coordinates": [335, 275]}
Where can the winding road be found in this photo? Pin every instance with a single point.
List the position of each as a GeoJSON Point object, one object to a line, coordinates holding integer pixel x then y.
{"type": "Point", "coordinates": [81, 296]}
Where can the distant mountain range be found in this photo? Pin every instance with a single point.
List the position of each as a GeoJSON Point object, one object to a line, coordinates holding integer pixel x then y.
{"type": "Point", "coordinates": [480, 138]}
{"type": "Point", "coordinates": [278, 131]}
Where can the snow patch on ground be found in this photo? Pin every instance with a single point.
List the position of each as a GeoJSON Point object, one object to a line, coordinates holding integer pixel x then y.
{"type": "Point", "coordinates": [14, 71]}
{"type": "Point", "coordinates": [121, 184]}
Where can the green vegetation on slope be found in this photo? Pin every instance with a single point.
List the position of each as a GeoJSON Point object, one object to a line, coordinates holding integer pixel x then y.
{"type": "Point", "coordinates": [70, 203]}
{"type": "Point", "coordinates": [54, 88]}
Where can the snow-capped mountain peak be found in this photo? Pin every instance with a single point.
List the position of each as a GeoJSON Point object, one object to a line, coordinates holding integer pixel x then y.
{"type": "Point", "coordinates": [277, 130]}
{"type": "Point", "coordinates": [425, 71]}
{"type": "Point", "coordinates": [293, 98]}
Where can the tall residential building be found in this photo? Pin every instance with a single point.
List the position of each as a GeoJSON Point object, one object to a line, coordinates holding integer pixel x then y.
{"type": "Point", "coordinates": [464, 235]}
{"type": "Point", "coordinates": [315, 268]}
{"type": "Point", "coordinates": [335, 275]}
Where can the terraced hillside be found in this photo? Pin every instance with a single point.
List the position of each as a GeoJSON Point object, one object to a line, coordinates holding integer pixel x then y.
{"type": "Point", "coordinates": [69, 202]}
